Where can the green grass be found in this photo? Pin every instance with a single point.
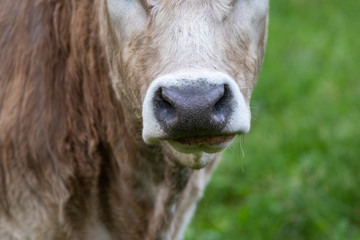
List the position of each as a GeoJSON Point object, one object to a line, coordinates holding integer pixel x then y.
{"type": "Point", "coordinates": [300, 176]}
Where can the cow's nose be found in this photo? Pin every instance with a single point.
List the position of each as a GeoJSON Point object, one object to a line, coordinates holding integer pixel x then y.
{"type": "Point", "coordinates": [188, 111]}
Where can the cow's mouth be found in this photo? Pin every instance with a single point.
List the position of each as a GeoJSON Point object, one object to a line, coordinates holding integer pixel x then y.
{"type": "Point", "coordinates": [209, 144]}
{"type": "Point", "coordinates": [217, 140]}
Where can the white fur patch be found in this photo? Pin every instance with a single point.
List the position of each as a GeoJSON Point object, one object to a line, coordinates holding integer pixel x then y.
{"type": "Point", "coordinates": [239, 120]}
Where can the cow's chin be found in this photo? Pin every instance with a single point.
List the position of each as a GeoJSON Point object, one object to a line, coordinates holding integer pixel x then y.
{"type": "Point", "coordinates": [197, 152]}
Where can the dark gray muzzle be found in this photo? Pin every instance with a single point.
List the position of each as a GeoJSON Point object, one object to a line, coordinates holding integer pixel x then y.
{"type": "Point", "coordinates": [193, 110]}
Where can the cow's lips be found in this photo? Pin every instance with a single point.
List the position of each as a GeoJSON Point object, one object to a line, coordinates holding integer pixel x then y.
{"type": "Point", "coordinates": [209, 144]}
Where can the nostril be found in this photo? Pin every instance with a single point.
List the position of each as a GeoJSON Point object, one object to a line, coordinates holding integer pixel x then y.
{"type": "Point", "coordinates": [164, 109]}
{"type": "Point", "coordinates": [222, 108]}
{"type": "Point", "coordinates": [193, 110]}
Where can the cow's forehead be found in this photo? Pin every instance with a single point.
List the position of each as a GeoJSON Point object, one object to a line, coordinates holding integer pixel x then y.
{"type": "Point", "coordinates": [174, 5]}
{"type": "Point", "coordinates": [219, 7]}
{"type": "Point", "coordinates": [223, 5]}
{"type": "Point", "coordinates": [230, 2]}
{"type": "Point", "coordinates": [179, 2]}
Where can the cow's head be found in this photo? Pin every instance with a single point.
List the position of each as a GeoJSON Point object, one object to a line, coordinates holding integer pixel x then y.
{"type": "Point", "coordinates": [187, 68]}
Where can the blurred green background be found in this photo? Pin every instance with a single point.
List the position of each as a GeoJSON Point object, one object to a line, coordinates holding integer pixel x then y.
{"type": "Point", "coordinates": [296, 175]}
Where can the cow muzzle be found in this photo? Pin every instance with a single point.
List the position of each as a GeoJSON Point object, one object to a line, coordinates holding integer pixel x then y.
{"type": "Point", "coordinates": [194, 111]}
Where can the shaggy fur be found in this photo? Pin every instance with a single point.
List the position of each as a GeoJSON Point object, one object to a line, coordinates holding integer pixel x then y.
{"type": "Point", "coordinates": [73, 165]}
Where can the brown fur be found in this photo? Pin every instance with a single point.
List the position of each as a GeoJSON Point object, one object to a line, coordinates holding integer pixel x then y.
{"type": "Point", "coordinates": [71, 154]}
{"type": "Point", "coordinates": [66, 157]}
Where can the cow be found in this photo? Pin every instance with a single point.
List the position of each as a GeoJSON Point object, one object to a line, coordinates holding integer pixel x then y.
{"type": "Point", "coordinates": [113, 113]}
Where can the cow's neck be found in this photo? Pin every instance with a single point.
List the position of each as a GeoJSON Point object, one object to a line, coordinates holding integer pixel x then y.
{"type": "Point", "coordinates": [142, 181]}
